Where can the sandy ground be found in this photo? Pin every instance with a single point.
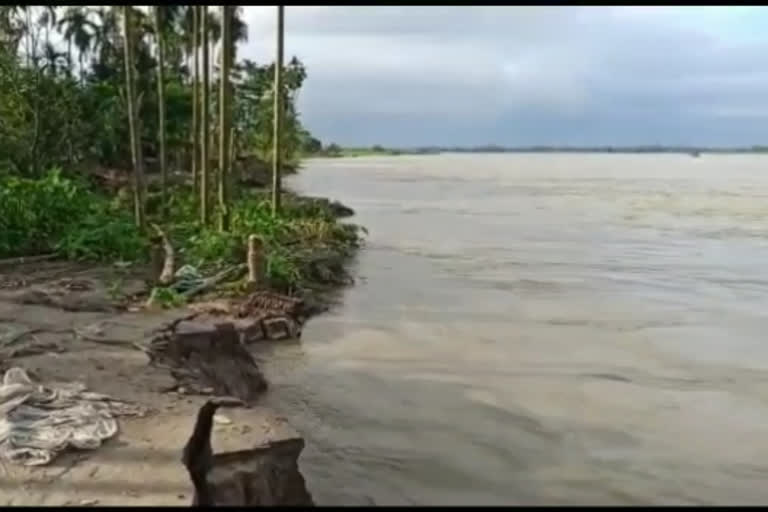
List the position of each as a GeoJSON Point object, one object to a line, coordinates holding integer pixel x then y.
{"type": "Point", "coordinates": [142, 464]}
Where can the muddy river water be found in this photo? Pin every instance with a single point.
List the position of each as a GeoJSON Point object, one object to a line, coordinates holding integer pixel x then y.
{"type": "Point", "coordinates": [543, 329]}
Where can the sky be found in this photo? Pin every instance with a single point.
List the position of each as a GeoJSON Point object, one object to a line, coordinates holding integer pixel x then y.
{"type": "Point", "coordinates": [526, 75]}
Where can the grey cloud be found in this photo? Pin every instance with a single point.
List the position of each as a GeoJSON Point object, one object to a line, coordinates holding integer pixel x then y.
{"type": "Point", "coordinates": [507, 75]}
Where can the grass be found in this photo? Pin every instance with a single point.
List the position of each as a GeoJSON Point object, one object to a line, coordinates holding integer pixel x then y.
{"type": "Point", "coordinates": [305, 245]}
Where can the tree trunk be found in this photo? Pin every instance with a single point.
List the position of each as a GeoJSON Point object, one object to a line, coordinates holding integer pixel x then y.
{"type": "Point", "coordinates": [234, 176]}
{"type": "Point", "coordinates": [138, 163]}
{"type": "Point", "coordinates": [80, 59]}
{"type": "Point", "coordinates": [161, 108]}
{"type": "Point", "coordinates": [69, 54]}
{"type": "Point", "coordinates": [224, 118]}
{"type": "Point", "coordinates": [204, 171]}
{"type": "Point", "coordinates": [196, 98]}
{"type": "Point", "coordinates": [277, 124]}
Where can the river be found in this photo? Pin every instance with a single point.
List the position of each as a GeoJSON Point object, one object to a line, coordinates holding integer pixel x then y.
{"type": "Point", "coordinates": [540, 329]}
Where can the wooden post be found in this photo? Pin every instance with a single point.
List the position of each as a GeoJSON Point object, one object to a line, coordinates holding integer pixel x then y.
{"type": "Point", "coordinates": [278, 116]}
{"type": "Point", "coordinates": [255, 261]}
{"type": "Point", "coordinates": [204, 121]}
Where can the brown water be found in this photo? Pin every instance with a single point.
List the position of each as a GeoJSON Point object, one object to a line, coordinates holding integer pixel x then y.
{"type": "Point", "coordinates": [547, 329]}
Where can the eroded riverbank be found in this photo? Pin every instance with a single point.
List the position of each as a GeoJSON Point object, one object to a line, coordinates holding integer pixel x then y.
{"type": "Point", "coordinates": [91, 342]}
{"type": "Point", "coordinates": [66, 322]}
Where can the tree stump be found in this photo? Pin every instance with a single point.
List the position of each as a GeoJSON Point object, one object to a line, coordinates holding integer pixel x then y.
{"type": "Point", "coordinates": [255, 261]}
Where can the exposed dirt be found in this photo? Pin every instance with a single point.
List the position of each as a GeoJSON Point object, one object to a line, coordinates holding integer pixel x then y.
{"type": "Point", "coordinates": [83, 334]}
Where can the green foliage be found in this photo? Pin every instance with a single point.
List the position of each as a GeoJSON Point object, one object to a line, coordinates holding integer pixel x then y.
{"type": "Point", "coordinates": [65, 108]}
{"type": "Point", "coordinates": [56, 213]}
{"type": "Point", "coordinates": [33, 212]}
{"type": "Point", "coordinates": [115, 288]}
{"type": "Point", "coordinates": [211, 247]}
{"type": "Point", "coordinates": [104, 236]}
{"type": "Point", "coordinates": [167, 297]}
{"type": "Point", "coordinates": [311, 145]}
{"type": "Point", "coordinates": [254, 108]}
{"type": "Point", "coordinates": [290, 241]}
{"type": "Point", "coordinates": [333, 150]}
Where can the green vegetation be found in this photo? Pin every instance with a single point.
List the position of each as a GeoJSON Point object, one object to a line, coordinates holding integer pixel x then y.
{"type": "Point", "coordinates": [314, 148]}
{"type": "Point", "coordinates": [372, 151]}
{"type": "Point", "coordinates": [336, 151]}
{"type": "Point", "coordinates": [99, 141]}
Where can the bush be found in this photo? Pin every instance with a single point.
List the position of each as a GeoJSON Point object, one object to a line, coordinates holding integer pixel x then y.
{"type": "Point", "coordinates": [291, 241]}
{"type": "Point", "coordinates": [35, 212]}
{"type": "Point", "coordinates": [56, 213]}
{"type": "Point", "coordinates": [102, 236]}
{"type": "Point", "coordinates": [304, 244]}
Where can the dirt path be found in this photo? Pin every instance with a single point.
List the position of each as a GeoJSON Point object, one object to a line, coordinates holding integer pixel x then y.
{"type": "Point", "coordinates": [142, 465]}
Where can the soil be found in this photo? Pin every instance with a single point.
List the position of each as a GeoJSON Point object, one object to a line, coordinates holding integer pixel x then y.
{"type": "Point", "coordinates": [84, 334]}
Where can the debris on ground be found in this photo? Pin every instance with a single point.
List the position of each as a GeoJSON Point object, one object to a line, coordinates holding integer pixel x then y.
{"type": "Point", "coordinates": [38, 422]}
{"type": "Point", "coordinates": [265, 301]}
{"type": "Point", "coordinates": [187, 278]}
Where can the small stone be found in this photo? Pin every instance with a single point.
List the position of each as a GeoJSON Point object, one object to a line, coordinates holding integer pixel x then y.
{"type": "Point", "coordinates": [89, 503]}
{"type": "Point", "coordinates": [221, 419]}
{"type": "Point", "coordinates": [182, 390]}
{"type": "Point", "coordinates": [180, 496]}
{"type": "Point", "coordinates": [206, 391]}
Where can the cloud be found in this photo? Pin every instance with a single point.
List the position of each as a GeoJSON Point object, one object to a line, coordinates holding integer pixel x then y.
{"type": "Point", "coordinates": [519, 75]}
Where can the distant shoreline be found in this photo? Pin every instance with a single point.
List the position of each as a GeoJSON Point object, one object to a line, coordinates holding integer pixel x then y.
{"type": "Point", "coordinates": [381, 151]}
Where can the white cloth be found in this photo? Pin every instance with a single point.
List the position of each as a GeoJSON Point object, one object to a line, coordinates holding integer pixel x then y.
{"type": "Point", "coordinates": [38, 422]}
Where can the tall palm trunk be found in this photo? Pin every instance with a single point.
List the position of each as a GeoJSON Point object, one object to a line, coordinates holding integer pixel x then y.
{"type": "Point", "coordinates": [196, 97]}
{"type": "Point", "coordinates": [69, 54]}
{"type": "Point", "coordinates": [130, 90]}
{"type": "Point", "coordinates": [224, 119]}
{"type": "Point", "coordinates": [81, 58]}
{"type": "Point", "coordinates": [204, 135]}
{"type": "Point", "coordinates": [161, 107]}
{"type": "Point", "coordinates": [278, 121]}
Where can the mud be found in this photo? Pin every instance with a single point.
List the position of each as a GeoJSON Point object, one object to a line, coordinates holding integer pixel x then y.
{"type": "Point", "coordinates": [63, 323]}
